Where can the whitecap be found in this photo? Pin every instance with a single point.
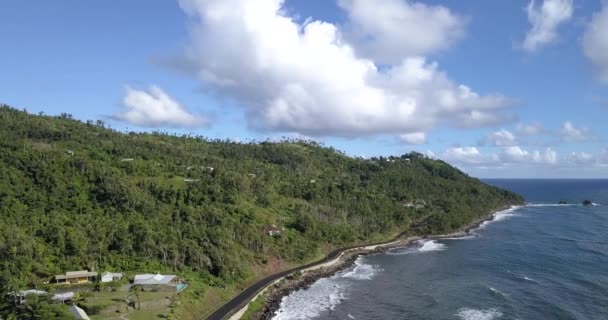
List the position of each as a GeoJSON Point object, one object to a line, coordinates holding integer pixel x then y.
{"type": "Point", "coordinates": [529, 279]}
{"type": "Point", "coordinates": [322, 296]}
{"type": "Point", "coordinates": [498, 292]}
{"type": "Point", "coordinates": [350, 316]}
{"type": "Point", "coordinates": [552, 204]}
{"type": "Point", "coordinates": [477, 314]}
{"type": "Point", "coordinates": [422, 246]}
{"type": "Point", "coordinates": [432, 245]}
{"type": "Point", "coordinates": [501, 215]}
{"type": "Point", "coordinates": [361, 271]}
{"type": "Point", "coordinates": [467, 237]}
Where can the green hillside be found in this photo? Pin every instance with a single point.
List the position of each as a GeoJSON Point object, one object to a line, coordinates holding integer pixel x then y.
{"type": "Point", "coordinates": [77, 195]}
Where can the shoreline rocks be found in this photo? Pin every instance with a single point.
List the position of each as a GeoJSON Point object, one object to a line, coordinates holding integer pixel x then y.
{"type": "Point", "coordinates": [303, 281]}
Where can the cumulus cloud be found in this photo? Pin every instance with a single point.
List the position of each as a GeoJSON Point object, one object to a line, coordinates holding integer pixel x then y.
{"type": "Point", "coordinates": [581, 158]}
{"type": "Point", "coordinates": [463, 155]}
{"type": "Point", "coordinates": [155, 108]}
{"type": "Point", "coordinates": [570, 133]}
{"type": "Point", "coordinates": [509, 155]}
{"type": "Point", "coordinates": [595, 42]}
{"type": "Point", "coordinates": [545, 21]}
{"type": "Point", "coordinates": [515, 154]}
{"type": "Point", "coordinates": [388, 30]}
{"type": "Point", "coordinates": [308, 78]}
{"type": "Point", "coordinates": [500, 138]}
{"type": "Point", "coordinates": [532, 129]}
{"type": "Point", "coordinates": [413, 138]}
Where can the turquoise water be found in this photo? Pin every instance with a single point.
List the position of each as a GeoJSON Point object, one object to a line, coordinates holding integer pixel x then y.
{"type": "Point", "coordinates": [541, 261]}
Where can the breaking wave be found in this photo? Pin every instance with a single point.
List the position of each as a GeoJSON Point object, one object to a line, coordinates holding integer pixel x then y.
{"type": "Point", "coordinates": [477, 314]}
{"type": "Point", "coordinates": [422, 246]}
{"type": "Point", "coordinates": [501, 215]}
{"type": "Point", "coordinates": [432, 245]}
{"type": "Point", "coordinates": [361, 271]}
{"type": "Point", "coordinates": [324, 295]}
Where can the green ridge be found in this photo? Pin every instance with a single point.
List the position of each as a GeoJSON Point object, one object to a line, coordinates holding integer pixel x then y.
{"type": "Point", "coordinates": [70, 200]}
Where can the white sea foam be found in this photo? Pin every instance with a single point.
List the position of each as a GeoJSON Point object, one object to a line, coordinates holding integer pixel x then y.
{"type": "Point", "coordinates": [552, 205]}
{"type": "Point", "coordinates": [477, 314]}
{"type": "Point", "coordinates": [501, 215]}
{"type": "Point", "coordinates": [432, 245]}
{"type": "Point", "coordinates": [361, 271]}
{"type": "Point", "coordinates": [467, 237]}
{"type": "Point", "coordinates": [323, 295]}
{"type": "Point", "coordinates": [498, 292]}
{"type": "Point", "coordinates": [423, 246]}
{"type": "Point", "coordinates": [350, 316]}
{"type": "Point", "coordinates": [529, 279]}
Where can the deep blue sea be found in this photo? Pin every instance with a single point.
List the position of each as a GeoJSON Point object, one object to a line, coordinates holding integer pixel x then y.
{"type": "Point", "coordinates": [540, 261]}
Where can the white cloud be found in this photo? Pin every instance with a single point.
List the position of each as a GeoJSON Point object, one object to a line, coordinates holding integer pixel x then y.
{"type": "Point", "coordinates": [500, 138]}
{"type": "Point", "coordinates": [570, 133]}
{"type": "Point", "coordinates": [388, 30]}
{"type": "Point", "coordinates": [581, 158]}
{"type": "Point", "coordinates": [516, 154]}
{"type": "Point", "coordinates": [532, 129]}
{"type": "Point", "coordinates": [413, 138]}
{"type": "Point", "coordinates": [510, 155]}
{"type": "Point", "coordinates": [308, 78]}
{"type": "Point", "coordinates": [595, 42]}
{"type": "Point", "coordinates": [155, 108]}
{"type": "Point", "coordinates": [463, 155]}
{"type": "Point", "coordinates": [545, 21]}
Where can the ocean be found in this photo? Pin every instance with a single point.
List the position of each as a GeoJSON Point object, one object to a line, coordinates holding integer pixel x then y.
{"type": "Point", "coordinates": [539, 261]}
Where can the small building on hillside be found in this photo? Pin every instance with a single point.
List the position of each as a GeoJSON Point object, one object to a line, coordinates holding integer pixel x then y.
{"type": "Point", "coordinates": [111, 276]}
{"type": "Point", "coordinates": [75, 277]}
{"type": "Point", "coordinates": [169, 283]}
{"type": "Point", "coordinates": [78, 313]}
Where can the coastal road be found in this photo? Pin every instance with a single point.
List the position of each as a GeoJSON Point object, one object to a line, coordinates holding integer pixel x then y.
{"type": "Point", "coordinates": [245, 296]}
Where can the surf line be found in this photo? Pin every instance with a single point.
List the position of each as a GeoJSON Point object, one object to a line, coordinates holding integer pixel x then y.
{"type": "Point", "coordinates": [308, 274]}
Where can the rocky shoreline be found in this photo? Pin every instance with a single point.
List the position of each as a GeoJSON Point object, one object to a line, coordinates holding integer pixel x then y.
{"type": "Point", "coordinates": [302, 281]}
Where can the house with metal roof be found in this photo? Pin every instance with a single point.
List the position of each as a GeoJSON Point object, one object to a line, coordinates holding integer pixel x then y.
{"type": "Point", "coordinates": [75, 277]}
{"type": "Point", "coordinates": [158, 281]}
{"type": "Point", "coordinates": [111, 276]}
{"type": "Point", "coordinates": [78, 313]}
{"type": "Point", "coordinates": [63, 297]}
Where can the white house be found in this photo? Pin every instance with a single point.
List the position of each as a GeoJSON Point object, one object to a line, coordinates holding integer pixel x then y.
{"type": "Point", "coordinates": [149, 279]}
{"type": "Point", "coordinates": [110, 276]}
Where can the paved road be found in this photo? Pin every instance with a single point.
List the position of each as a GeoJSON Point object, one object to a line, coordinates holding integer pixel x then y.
{"type": "Point", "coordinates": [243, 298]}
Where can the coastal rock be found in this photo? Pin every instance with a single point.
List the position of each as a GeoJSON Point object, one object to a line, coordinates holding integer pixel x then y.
{"type": "Point", "coordinates": [305, 280]}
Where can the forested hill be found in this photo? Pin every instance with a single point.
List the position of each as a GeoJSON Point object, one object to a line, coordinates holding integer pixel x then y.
{"type": "Point", "coordinates": [77, 195]}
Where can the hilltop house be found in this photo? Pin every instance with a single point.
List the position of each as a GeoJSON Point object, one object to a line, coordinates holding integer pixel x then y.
{"type": "Point", "coordinates": [110, 276]}
{"type": "Point", "coordinates": [75, 277]}
{"type": "Point", "coordinates": [159, 282]}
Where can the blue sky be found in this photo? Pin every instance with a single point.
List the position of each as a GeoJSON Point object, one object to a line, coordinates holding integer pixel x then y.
{"type": "Point", "coordinates": [370, 78]}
